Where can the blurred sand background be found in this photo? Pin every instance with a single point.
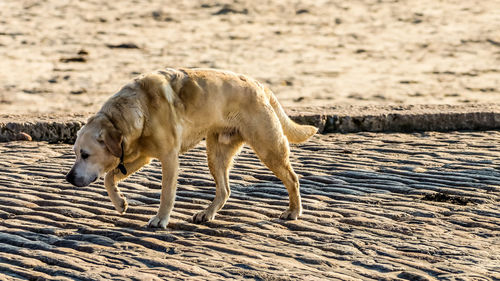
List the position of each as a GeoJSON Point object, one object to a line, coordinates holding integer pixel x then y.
{"type": "Point", "coordinates": [69, 56]}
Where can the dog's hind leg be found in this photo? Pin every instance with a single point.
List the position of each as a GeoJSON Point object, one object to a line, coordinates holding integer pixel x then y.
{"type": "Point", "coordinates": [114, 176]}
{"type": "Point", "coordinates": [271, 146]}
{"type": "Point", "coordinates": [221, 149]}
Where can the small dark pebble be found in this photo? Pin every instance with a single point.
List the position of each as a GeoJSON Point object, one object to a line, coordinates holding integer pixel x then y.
{"type": "Point", "coordinates": [83, 52]}
{"type": "Point", "coordinates": [227, 9]}
{"type": "Point", "coordinates": [156, 14]}
{"type": "Point", "coordinates": [123, 46]}
{"type": "Point", "coordinates": [160, 16]}
{"type": "Point", "coordinates": [302, 11]}
{"type": "Point", "coordinates": [408, 82]}
{"type": "Point", "coordinates": [34, 91]}
{"type": "Point", "coordinates": [73, 59]}
{"type": "Point", "coordinates": [78, 92]}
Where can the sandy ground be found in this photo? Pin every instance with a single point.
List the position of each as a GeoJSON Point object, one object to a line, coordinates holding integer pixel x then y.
{"type": "Point", "coordinates": [69, 56]}
{"type": "Point", "coordinates": [367, 215]}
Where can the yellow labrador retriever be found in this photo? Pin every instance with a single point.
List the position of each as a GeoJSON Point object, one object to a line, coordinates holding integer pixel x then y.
{"type": "Point", "coordinates": [165, 113]}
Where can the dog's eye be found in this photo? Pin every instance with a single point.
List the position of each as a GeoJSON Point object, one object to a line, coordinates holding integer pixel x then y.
{"type": "Point", "coordinates": [84, 155]}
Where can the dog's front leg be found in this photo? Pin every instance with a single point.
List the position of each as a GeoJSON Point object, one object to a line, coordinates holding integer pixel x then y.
{"type": "Point", "coordinates": [114, 193]}
{"type": "Point", "coordinates": [169, 167]}
{"type": "Point", "coordinates": [114, 176]}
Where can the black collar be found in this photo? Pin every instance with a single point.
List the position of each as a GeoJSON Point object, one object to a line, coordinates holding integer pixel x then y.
{"type": "Point", "coordinates": [121, 166]}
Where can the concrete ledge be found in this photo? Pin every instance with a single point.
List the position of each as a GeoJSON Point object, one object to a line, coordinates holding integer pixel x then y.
{"type": "Point", "coordinates": [407, 118]}
{"type": "Point", "coordinates": [341, 119]}
{"type": "Point", "coordinates": [51, 128]}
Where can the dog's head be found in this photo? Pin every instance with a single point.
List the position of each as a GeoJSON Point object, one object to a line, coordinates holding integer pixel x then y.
{"type": "Point", "coordinates": [98, 148]}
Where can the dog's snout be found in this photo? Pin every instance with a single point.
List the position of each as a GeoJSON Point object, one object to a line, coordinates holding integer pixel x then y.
{"type": "Point", "coordinates": [77, 180]}
{"type": "Point", "coordinates": [70, 177]}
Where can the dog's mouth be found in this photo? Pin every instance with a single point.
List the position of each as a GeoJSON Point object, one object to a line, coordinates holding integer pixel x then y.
{"type": "Point", "coordinates": [79, 182]}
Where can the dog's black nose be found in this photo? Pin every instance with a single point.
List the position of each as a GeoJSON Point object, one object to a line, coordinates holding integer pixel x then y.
{"type": "Point", "coordinates": [70, 177]}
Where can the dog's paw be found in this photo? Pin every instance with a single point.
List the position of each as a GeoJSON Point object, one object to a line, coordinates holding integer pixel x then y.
{"type": "Point", "coordinates": [203, 216]}
{"type": "Point", "coordinates": [291, 214]}
{"type": "Point", "coordinates": [158, 222]}
{"type": "Point", "coordinates": [122, 206]}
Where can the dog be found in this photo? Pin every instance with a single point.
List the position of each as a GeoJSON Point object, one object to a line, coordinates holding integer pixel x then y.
{"type": "Point", "coordinates": [167, 112]}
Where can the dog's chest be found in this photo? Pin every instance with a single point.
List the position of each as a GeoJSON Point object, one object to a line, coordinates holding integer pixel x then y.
{"type": "Point", "coordinates": [191, 139]}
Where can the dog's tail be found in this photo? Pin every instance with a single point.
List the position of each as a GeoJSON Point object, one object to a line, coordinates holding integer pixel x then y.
{"type": "Point", "coordinates": [294, 132]}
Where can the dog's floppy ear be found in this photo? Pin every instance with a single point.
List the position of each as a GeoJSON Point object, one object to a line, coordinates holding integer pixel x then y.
{"type": "Point", "coordinates": [190, 92]}
{"type": "Point", "coordinates": [112, 138]}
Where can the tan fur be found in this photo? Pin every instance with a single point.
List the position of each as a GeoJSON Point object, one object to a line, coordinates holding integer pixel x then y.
{"type": "Point", "coordinates": [163, 114]}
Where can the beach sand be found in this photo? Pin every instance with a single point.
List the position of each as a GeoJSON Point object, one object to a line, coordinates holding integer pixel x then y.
{"type": "Point", "coordinates": [371, 212]}
{"type": "Point", "coordinates": [70, 56]}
